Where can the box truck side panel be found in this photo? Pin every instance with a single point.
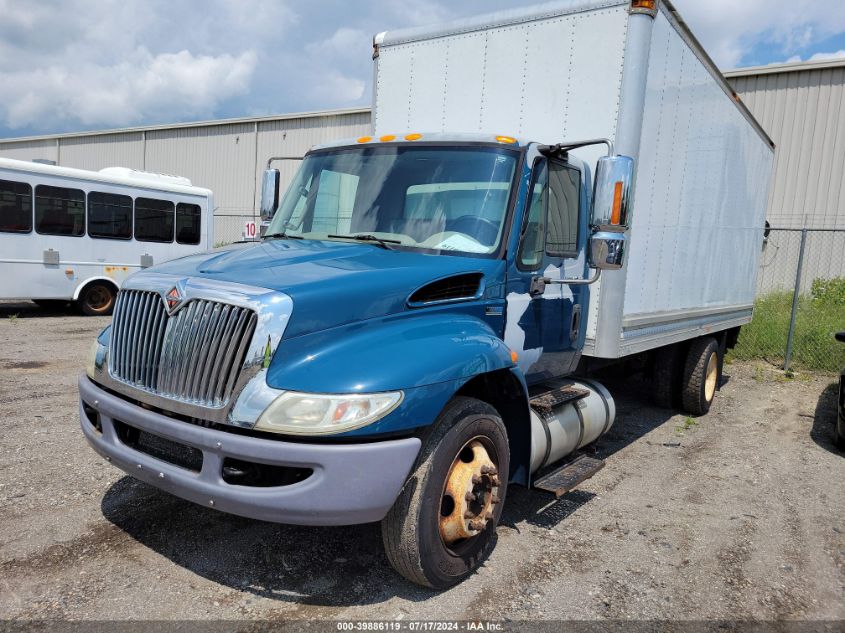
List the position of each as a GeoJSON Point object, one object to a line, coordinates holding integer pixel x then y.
{"type": "Point", "coordinates": [700, 200]}
{"type": "Point", "coordinates": [549, 73]}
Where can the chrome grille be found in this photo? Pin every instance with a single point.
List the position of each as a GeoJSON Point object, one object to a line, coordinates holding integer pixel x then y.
{"type": "Point", "coordinates": [195, 355]}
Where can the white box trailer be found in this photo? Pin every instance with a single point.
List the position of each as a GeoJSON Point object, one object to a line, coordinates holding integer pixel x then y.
{"type": "Point", "coordinates": [585, 69]}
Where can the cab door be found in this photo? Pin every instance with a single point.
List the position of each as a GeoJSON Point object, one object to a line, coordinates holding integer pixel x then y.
{"type": "Point", "coordinates": [546, 329]}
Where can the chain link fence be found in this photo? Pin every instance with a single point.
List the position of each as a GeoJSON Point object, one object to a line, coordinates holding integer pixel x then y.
{"type": "Point", "coordinates": [230, 225]}
{"type": "Point", "coordinates": [800, 302]}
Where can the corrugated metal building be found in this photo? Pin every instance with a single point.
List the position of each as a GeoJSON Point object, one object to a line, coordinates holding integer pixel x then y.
{"type": "Point", "coordinates": [801, 106]}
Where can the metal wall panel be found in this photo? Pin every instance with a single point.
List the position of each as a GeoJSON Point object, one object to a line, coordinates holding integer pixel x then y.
{"type": "Point", "coordinates": [803, 109]}
{"type": "Point", "coordinates": [105, 150]}
{"type": "Point", "coordinates": [219, 157]}
{"type": "Point", "coordinates": [29, 150]}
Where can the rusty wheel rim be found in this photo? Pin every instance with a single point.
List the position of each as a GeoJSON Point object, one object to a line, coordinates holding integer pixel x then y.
{"type": "Point", "coordinates": [470, 493]}
{"type": "Point", "coordinates": [98, 298]}
{"type": "Point", "coordinates": [712, 376]}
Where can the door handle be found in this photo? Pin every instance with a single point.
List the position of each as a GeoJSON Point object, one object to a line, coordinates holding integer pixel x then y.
{"type": "Point", "coordinates": [575, 323]}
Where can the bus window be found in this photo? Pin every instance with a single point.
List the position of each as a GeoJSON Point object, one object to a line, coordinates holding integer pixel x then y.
{"type": "Point", "coordinates": [109, 216]}
{"type": "Point", "coordinates": [153, 220]}
{"type": "Point", "coordinates": [188, 223]}
{"type": "Point", "coordinates": [59, 211]}
{"type": "Point", "coordinates": [15, 207]}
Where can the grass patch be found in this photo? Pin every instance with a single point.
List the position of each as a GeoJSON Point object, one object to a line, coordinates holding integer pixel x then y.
{"type": "Point", "coordinates": [821, 314]}
{"type": "Point", "coordinates": [687, 424]}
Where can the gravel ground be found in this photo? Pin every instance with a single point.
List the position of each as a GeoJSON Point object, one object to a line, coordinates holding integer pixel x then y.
{"type": "Point", "coordinates": [736, 515]}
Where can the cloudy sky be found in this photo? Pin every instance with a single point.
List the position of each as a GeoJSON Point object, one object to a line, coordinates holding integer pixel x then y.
{"type": "Point", "coordinates": [68, 65]}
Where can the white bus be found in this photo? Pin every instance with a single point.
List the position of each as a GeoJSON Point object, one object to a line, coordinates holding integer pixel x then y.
{"type": "Point", "coordinates": [75, 235]}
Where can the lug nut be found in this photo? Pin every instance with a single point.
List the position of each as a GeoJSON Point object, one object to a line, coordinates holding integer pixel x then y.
{"type": "Point", "coordinates": [476, 480]}
{"type": "Point", "coordinates": [470, 497]}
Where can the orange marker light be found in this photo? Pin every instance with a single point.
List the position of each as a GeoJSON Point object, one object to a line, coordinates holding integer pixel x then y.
{"type": "Point", "coordinates": [388, 137]}
{"type": "Point", "coordinates": [648, 5]}
{"type": "Point", "coordinates": [365, 139]}
{"type": "Point", "coordinates": [514, 356]}
{"type": "Point", "coordinates": [506, 139]}
{"type": "Point", "coordinates": [616, 212]}
{"type": "Point", "coordinates": [413, 137]}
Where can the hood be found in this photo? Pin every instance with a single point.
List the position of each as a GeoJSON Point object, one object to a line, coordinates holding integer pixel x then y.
{"type": "Point", "coordinates": [331, 282]}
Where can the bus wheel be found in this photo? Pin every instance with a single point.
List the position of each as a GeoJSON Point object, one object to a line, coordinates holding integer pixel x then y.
{"type": "Point", "coordinates": [97, 299]}
{"type": "Point", "coordinates": [443, 524]}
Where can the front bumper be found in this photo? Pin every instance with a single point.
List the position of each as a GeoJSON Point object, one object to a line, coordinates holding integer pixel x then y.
{"type": "Point", "coordinates": [350, 483]}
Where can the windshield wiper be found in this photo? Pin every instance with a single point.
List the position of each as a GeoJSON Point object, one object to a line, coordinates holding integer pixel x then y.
{"type": "Point", "coordinates": [284, 236]}
{"type": "Point", "coordinates": [383, 242]}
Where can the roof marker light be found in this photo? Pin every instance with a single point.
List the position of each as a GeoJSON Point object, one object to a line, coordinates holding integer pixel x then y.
{"type": "Point", "coordinates": [506, 139]}
{"type": "Point", "coordinates": [648, 7]}
{"type": "Point", "coordinates": [388, 137]}
{"type": "Point", "coordinates": [413, 137]}
{"type": "Point", "coordinates": [365, 139]}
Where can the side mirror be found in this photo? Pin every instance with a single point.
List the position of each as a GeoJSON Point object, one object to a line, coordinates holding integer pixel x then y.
{"type": "Point", "coordinates": [269, 193]}
{"type": "Point", "coordinates": [607, 250]}
{"type": "Point", "coordinates": [614, 175]}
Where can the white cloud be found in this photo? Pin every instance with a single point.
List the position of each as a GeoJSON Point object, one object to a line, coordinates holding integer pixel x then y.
{"type": "Point", "coordinates": [731, 29]}
{"type": "Point", "coordinates": [823, 56]}
{"type": "Point", "coordinates": [74, 64]}
{"type": "Point", "coordinates": [142, 86]}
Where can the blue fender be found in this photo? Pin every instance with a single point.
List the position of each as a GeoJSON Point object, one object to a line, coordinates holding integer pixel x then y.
{"type": "Point", "coordinates": [387, 354]}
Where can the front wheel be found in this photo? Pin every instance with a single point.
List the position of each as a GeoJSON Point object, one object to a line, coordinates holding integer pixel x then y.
{"type": "Point", "coordinates": [443, 525]}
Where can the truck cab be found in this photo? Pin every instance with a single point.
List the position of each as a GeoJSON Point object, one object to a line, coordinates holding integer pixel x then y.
{"type": "Point", "coordinates": [409, 298]}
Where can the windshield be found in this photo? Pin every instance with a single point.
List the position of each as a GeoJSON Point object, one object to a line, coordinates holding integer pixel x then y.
{"type": "Point", "coordinates": [428, 197]}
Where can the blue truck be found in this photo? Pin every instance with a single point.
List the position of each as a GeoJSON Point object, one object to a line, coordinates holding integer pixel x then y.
{"type": "Point", "coordinates": [418, 326]}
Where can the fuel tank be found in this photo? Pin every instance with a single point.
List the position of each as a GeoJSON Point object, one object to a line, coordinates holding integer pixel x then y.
{"type": "Point", "coordinates": [559, 430]}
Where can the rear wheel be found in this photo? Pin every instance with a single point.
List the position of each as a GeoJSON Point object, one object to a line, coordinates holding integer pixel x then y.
{"type": "Point", "coordinates": [443, 525]}
{"type": "Point", "coordinates": [667, 368]}
{"type": "Point", "coordinates": [97, 299]}
{"type": "Point", "coordinates": [701, 375]}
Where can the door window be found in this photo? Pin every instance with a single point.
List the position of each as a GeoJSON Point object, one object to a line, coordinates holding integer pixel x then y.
{"type": "Point", "coordinates": [564, 195]}
{"type": "Point", "coordinates": [534, 231]}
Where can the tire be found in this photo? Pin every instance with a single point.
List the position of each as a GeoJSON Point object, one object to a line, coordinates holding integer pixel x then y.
{"type": "Point", "coordinates": [97, 299]}
{"type": "Point", "coordinates": [418, 537]}
{"type": "Point", "coordinates": [702, 371]}
{"type": "Point", "coordinates": [666, 375]}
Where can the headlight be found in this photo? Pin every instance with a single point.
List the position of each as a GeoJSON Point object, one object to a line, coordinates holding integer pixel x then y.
{"type": "Point", "coordinates": [91, 360]}
{"type": "Point", "coordinates": [96, 356]}
{"type": "Point", "coordinates": [318, 414]}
